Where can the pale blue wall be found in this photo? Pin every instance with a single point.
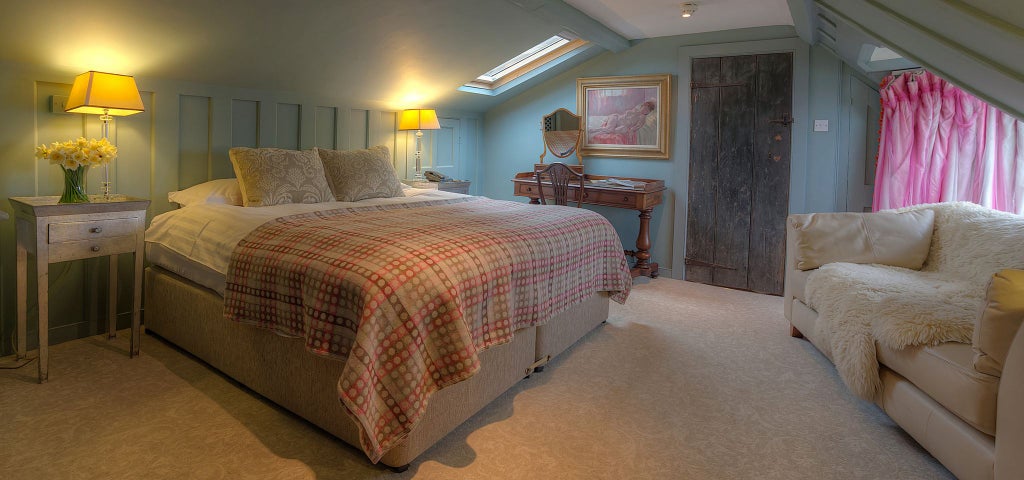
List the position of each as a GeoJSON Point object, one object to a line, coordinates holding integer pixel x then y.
{"type": "Point", "coordinates": [181, 139]}
{"type": "Point", "coordinates": [512, 140]}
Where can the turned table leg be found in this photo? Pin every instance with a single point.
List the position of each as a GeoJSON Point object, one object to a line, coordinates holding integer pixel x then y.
{"type": "Point", "coordinates": [644, 266]}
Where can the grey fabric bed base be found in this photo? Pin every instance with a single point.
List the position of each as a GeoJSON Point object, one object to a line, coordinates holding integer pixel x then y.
{"type": "Point", "coordinates": [279, 368]}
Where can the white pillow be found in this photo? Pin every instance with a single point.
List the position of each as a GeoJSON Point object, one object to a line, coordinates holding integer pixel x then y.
{"type": "Point", "coordinates": [224, 191]}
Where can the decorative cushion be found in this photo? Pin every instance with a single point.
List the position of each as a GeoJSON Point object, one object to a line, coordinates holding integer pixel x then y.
{"type": "Point", "coordinates": [273, 176]}
{"type": "Point", "coordinates": [223, 191]}
{"type": "Point", "coordinates": [999, 321]}
{"type": "Point", "coordinates": [885, 238]}
{"type": "Point", "coordinates": [359, 174]}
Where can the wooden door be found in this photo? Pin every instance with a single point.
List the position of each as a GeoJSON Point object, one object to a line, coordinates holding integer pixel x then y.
{"type": "Point", "coordinates": [739, 171]}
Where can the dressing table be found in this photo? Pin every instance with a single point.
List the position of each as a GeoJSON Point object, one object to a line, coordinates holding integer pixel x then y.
{"type": "Point", "coordinates": [562, 136]}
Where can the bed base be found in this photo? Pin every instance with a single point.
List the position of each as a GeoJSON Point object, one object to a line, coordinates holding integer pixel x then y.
{"type": "Point", "coordinates": [279, 368]}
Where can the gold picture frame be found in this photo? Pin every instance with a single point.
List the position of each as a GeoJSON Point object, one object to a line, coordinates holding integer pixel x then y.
{"type": "Point", "coordinates": [617, 118]}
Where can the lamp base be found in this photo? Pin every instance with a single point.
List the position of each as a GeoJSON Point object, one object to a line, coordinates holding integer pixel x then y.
{"type": "Point", "coordinates": [113, 197]}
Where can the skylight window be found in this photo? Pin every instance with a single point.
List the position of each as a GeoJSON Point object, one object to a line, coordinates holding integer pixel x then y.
{"type": "Point", "coordinates": [527, 61]}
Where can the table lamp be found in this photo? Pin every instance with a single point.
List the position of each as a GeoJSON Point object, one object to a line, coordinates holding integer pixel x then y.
{"type": "Point", "coordinates": [106, 95]}
{"type": "Point", "coordinates": [419, 120]}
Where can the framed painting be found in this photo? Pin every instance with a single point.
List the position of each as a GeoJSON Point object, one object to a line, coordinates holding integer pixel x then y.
{"type": "Point", "coordinates": [624, 116]}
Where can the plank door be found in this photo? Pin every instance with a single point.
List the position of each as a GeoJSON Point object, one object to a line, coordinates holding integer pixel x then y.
{"type": "Point", "coordinates": [739, 171]}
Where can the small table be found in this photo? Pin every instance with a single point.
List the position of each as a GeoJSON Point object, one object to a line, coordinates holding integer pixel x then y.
{"type": "Point", "coordinates": [60, 232]}
{"type": "Point", "coordinates": [454, 186]}
{"type": "Point", "coordinates": [642, 199]}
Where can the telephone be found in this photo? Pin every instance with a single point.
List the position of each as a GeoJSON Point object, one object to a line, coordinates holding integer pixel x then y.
{"type": "Point", "coordinates": [436, 176]}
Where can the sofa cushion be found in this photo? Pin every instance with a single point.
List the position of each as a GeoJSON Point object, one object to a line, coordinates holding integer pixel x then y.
{"type": "Point", "coordinates": [946, 373]}
{"type": "Point", "coordinates": [991, 237]}
{"type": "Point", "coordinates": [887, 238]}
{"type": "Point", "coordinates": [999, 321]}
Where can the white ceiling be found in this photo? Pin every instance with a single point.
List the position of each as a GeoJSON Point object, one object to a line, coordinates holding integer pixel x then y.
{"type": "Point", "coordinates": [374, 53]}
{"type": "Point", "coordinates": [636, 19]}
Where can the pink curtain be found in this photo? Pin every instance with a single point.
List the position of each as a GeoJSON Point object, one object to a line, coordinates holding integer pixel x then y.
{"type": "Point", "coordinates": [941, 144]}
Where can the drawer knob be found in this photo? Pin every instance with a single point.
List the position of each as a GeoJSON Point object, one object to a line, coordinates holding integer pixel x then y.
{"type": "Point", "coordinates": [529, 189]}
{"type": "Point", "coordinates": [95, 248]}
{"type": "Point", "coordinates": [625, 199]}
{"type": "Point", "coordinates": [96, 229]}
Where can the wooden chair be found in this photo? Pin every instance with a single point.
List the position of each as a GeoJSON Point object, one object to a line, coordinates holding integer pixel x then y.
{"type": "Point", "coordinates": [560, 177]}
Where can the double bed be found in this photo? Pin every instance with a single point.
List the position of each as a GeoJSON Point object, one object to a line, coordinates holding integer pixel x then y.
{"type": "Point", "coordinates": [387, 321]}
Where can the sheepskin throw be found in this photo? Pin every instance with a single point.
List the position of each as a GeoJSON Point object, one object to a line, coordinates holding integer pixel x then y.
{"type": "Point", "coordinates": [859, 305]}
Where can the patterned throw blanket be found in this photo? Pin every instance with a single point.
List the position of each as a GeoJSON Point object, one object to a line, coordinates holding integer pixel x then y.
{"type": "Point", "coordinates": [409, 294]}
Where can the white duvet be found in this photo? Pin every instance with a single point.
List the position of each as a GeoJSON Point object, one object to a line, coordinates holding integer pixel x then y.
{"type": "Point", "coordinates": [196, 241]}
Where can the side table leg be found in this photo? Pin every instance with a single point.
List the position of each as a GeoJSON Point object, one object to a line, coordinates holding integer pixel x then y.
{"type": "Point", "coordinates": [112, 299]}
{"type": "Point", "coordinates": [22, 299]}
{"type": "Point", "coordinates": [137, 300]}
{"type": "Point", "coordinates": [43, 289]}
{"type": "Point", "coordinates": [643, 266]}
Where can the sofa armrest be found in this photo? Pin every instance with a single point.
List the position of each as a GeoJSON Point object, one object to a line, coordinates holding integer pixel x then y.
{"type": "Point", "coordinates": [791, 247]}
{"type": "Point", "coordinates": [1010, 414]}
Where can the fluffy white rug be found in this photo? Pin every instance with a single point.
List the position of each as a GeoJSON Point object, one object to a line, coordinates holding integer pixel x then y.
{"type": "Point", "coordinates": [859, 305]}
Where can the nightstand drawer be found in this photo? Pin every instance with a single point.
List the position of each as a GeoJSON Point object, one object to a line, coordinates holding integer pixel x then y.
{"type": "Point", "coordinates": [71, 231]}
{"type": "Point", "coordinates": [98, 247]}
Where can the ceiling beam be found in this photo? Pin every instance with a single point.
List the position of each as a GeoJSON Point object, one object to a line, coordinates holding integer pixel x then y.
{"type": "Point", "coordinates": [574, 21]}
{"type": "Point", "coordinates": [804, 19]}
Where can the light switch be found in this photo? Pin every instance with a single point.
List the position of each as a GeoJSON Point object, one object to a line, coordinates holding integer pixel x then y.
{"type": "Point", "coordinates": [821, 125]}
{"type": "Point", "coordinates": [57, 104]}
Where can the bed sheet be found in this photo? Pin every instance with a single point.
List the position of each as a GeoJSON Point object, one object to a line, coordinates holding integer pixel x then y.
{"type": "Point", "coordinates": [196, 242]}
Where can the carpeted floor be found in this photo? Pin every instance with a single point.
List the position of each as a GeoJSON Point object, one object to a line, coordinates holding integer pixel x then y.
{"type": "Point", "coordinates": [686, 381]}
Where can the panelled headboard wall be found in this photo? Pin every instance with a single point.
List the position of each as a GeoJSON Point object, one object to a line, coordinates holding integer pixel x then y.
{"type": "Point", "coordinates": [180, 140]}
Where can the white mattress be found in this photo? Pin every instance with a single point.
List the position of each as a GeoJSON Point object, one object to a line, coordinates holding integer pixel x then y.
{"type": "Point", "coordinates": [196, 242]}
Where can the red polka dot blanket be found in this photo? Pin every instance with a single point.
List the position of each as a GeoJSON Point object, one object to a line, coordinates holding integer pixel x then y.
{"type": "Point", "coordinates": [409, 294]}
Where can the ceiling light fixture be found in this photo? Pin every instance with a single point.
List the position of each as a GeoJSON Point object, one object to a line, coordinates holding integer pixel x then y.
{"type": "Point", "coordinates": [687, 9]}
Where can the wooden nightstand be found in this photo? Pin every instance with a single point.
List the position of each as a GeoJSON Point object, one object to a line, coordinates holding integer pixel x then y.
{"type": "Point", "coordinates": [455, 186]}
{"type": "Point", "coordinates": [59, 232]}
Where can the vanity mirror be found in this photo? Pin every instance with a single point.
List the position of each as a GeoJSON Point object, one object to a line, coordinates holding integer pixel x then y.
{"type": "Point", "coordinates": [562, 134]}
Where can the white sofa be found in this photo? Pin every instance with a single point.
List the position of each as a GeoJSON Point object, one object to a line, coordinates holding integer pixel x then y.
{"type": "Point", "coordinates": [901, 303]}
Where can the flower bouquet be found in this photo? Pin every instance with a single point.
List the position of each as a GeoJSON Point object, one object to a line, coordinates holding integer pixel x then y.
{"type": "Point", "coordinates": [75, 157]}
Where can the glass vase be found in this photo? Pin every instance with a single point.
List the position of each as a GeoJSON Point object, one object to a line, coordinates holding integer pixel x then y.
{"type": "Point", "coordinates": [74, 186]}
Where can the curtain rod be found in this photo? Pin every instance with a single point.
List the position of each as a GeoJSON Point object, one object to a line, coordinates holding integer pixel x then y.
{"type": "Point", "coordinates": [906, 70]}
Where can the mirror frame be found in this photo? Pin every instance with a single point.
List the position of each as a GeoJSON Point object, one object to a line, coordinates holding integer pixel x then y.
{"type": "Point", "coordinates": [544, 139]}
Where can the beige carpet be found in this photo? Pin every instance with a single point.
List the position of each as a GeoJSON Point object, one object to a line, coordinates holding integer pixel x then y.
{"type": "Point", "coordinates": [685, 381]}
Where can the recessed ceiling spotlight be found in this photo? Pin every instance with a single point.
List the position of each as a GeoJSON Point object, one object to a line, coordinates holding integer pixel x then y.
{"type": "Point", "coordinates": [687, 9]}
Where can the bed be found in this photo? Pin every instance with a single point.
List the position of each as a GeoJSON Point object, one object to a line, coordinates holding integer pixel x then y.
{"type": "Point", "coordinates": [306, 344]}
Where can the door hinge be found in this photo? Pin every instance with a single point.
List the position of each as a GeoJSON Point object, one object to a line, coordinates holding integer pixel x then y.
{"type": "Point", "coordinates": [701, 263]}
{"type": "Point", "coordinates": [714, 85]}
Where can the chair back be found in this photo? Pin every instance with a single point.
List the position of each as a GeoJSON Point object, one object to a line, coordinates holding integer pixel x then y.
{"type": "Point", "coordinates": [559, 176]}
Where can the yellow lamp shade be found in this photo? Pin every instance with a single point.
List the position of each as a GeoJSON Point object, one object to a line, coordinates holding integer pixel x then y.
{"type": "Point", "coordinates": [418, 119]}
{"type": "Point", "coordinates": [104, 93]}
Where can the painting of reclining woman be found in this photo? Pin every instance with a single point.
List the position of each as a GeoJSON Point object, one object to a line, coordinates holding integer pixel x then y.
{"type": "Point", "coordinates": [624, 116]}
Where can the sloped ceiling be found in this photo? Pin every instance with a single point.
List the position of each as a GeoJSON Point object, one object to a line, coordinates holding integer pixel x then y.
{"type": "Point", "coordinates": [379, 53]}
